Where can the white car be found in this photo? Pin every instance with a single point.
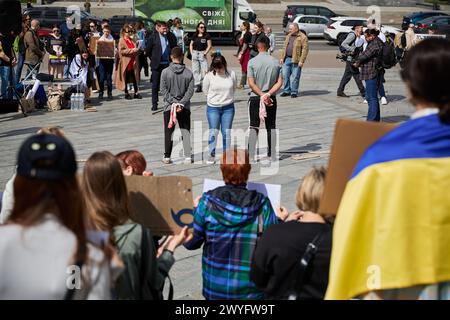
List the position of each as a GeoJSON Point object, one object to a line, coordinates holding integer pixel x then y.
{"type": "Point", "coordinates": [311, 26]}
{"type": "Point", "coordinates": [338, 28]}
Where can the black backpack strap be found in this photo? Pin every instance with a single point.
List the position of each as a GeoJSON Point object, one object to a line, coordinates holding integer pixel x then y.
{"type": "Point", "coordinates": [166, 275]}
{"type": "Point", "coordinates": [71, 292]}
{"type": "Point", "coordinates": [305, 261]}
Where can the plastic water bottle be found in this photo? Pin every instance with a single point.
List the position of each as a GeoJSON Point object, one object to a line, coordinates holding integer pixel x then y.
{"type": "Point", "coordinates": [81, 102]}
{"type": "Point", "coordinates": [73, 106]}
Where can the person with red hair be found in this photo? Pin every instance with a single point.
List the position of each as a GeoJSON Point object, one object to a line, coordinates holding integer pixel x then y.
{"type": "Point", "coordinates": [228, 221]}
{"type": "Point", "coordinates": [133, 163]}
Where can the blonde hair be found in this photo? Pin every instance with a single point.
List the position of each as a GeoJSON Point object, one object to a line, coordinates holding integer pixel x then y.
{"type": "Point", "coordinates": [310, 191]}
{"type": "Point", "coordinates": [52, 130]}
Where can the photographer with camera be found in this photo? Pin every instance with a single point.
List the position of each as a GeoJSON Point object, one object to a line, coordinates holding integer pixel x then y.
{"type": "Point", "coordinates": [350, 52]}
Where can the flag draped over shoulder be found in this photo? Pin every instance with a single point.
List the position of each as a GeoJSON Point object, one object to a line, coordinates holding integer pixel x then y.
{"type": "Point", "coordinates": [392, 228]}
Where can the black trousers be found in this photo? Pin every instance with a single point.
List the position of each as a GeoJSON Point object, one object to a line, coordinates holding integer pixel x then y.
{"type": "Point", "coordinates": [156, 79]}
{"type": "Point", "coordinates": [351, 71]}
{"type": "Point", "coordinates": [184, 122]}
{"type": "Point", "coordinates": [130, 77]}
{"type": "Point", "coordinates": [143, 63]}
{"type": "Point", "coordinates": [270, 123]}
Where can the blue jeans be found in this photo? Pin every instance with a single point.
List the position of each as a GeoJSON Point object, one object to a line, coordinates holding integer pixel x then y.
{"type": "Point", "coordinates": [4, 76]}
{"type": "Point", "coordinates": [291, 76]}
{"type": "Point", "coordinates": [19, 67]}
{"type": "Point", "coordinates": [219, 117]}
{"type": "Point", "coordinates": [372, 88]}
{"type": "Point", "coordinates": [106, 70]}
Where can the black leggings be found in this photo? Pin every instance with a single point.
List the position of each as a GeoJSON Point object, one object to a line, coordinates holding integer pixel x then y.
{"type": "Point", "coordinates": [130, 78]}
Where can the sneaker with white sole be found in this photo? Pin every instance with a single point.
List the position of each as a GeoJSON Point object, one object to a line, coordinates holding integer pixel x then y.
{"type": "Point", "coordinates": [384, 101]}
{"type": "Point", "coordinates": [188, 160]}
{"type": "Point", "coordinates": [211, 160]}
{"type": "Point", "coordinates": [166, 161]}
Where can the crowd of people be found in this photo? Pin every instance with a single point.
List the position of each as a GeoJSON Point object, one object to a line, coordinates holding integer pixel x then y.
{"type": "Point", "coordinates": [393, 215]}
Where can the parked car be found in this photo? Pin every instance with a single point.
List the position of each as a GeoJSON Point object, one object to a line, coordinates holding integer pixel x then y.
{"type": "Point", "coordinates": [415, 17]}
{"type": "Point", "coordinates": [49, 16]}
{"type": "Point", "coordinates": [339, 27]}
{"type": "Point", "coordinates": [441, 23]}
{"type": "Point", "coordinates": [293, 10]}
{"type": "Point", "coordinates": [311, 26]}
{"type": "Point", "coordinates": [117, 22]}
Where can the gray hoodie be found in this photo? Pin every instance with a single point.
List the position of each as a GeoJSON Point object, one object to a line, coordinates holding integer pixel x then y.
{"type": "Point", "coordinates": [177, 85]}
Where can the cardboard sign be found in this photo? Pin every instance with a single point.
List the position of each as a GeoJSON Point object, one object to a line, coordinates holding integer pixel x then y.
{"type": "Point", "coordinates": [81, 44]}
{"type": "Point", "coordinates": [271, 191]}
{"type": "Point", "coordinates": [350, 141]}
{"type": "Point", "coordinates": [163, 204]}
{"type": "Point", "coordinates": [93, 44]}
{"type": "Point", "coordinates": [105, 50]}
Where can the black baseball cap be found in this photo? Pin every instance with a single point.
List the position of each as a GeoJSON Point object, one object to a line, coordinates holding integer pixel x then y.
{"type": "Point", "coordinates": [46, 157]}
{"type": "Point", "coordinates": [357, 24]}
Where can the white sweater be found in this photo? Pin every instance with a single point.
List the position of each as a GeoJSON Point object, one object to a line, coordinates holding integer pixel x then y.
{"type": "Point", "coordinates": [219, 89]}
{"type": "Point", "coordinates": [35, 263]}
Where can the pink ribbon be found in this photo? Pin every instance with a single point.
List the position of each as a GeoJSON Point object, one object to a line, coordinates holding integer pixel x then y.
{"type": "Point", "coordinates": [173, 114]}
{"type": "Point", "coordinates": [262, 108]}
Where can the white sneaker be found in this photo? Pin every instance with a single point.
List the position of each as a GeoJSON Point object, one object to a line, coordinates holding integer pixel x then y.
{"type": "Point", "coordinates": [384, 101]}
{"type": "Point", "coordinates": [188, 160]}
{"type": "Point", "coordinates": [211, 160]}
{"type": "Point", "coordinates": [365, 101]}
{"type": "Point", "coordinates": [166, 161]}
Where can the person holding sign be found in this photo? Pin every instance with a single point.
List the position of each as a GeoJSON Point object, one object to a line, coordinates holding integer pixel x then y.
{"type": "Point", "coordinates": [228, 222]}
{"type": "Point", "coordinates": [106, 198]}
{"type": "Point", "coordinates": [391, 234]}
{"type": "Point", "coordinates": [105, 54]}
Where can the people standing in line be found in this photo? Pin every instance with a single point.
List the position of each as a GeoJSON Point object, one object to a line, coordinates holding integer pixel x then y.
{"type": "Point", "coordinates": [259, 34]}
{"type": "Point", "coordinates": [159, 45]}
{"type": "Point", "coordinates": [244, 53]}
{"type": "Point", "coordinates": [177, 87]}
{"type": "Point", "coordinates": [56, 48]}
{"type": "Point", "coordinates": [265, 79]}
{"type": "Point", "coordinates": [228, 222]}
{"type": "Point", "coordinates": [219, 85]}
{"type": "Point", "coordinates": [199, 47]}
{"type": "Point", "coordinates": [141, 34]}
{"type": "Point", "coordinates": [144, 274]}
{"type": "Point", "coordinates": [293, 56]}
{"type": "Point", "coordinates": [275, 268]}
{"type": "Point", "coordinates": [368, 60]}
{"type": "Point", "coordinates": [45, 235]}
{"type": "Point", "coordinates": [106, 67]}
{"type": "Point", "coordinates": [400, 189]}
{"type": "Point", "coordinates": [127, 70]}
{"type": "Point", "coordinates": [352, 50]}
{"type": "Point", "coordinates": [34, 50]}
{"type": "Point", "coordinates": [20, 47]}
{"type": "Point", "coordinates": [271, 36]}
{"type": "Point", "coordinates": [177, 30]}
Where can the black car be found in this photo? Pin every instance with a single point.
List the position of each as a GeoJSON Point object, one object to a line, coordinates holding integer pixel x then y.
{"type": "Point", "coordinates": [415, 17]}
{"type": "Point", "coordinates": [293, 10]}
{"type": "Point", "coordinates": [117, 22]}
{"type": "Point", "coordinates": [50, 16]}
{"type": "Point", "coordinates": [440, 23]}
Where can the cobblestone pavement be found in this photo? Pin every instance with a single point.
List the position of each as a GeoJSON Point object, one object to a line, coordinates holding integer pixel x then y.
{"type": "Point", "coordinates": [306, 124]}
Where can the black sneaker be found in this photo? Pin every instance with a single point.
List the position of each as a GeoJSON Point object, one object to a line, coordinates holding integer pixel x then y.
{"type": "Point", "coordinates": [110, 97]}
{"type": "Point", "coordinates": [137, 96]}
{"type": "Point", "coordinates": [154, 108]}
{"type": "Point", "coordinates": [294, 96]}
{"type": "Point", "coordinates": [199, 89]}
{"type": "Point", "coordinates": [100, 95]}
{"type": "Point", "coordinates": [342, 95]}
{"type": "Point", "coordinates": [128, 96]}
{"type": "Point", "coordinates": [285, 94]}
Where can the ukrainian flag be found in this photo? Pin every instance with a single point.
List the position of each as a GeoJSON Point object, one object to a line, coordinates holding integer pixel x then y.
{"type": "Point", "coordinates": [392, 229]}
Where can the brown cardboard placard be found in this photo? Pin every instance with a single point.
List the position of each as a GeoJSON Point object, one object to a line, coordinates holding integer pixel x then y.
{"type": "Point", "coordinates": [351, 138]}
{"type": "Point", "coordinates": [163, 204]}
{"type": "Point", "coordinates": [93, 44]}
{"type": "Point", "coordinates": [81, 45]}
{"type": "Point", "coordinates": [105, 49]}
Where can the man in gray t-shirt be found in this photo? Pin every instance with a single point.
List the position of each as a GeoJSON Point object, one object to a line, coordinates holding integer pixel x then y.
{"type": "Point", "coordinates": [264, 78]}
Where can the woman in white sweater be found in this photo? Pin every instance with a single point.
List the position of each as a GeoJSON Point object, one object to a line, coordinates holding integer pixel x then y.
{"type": "Point", "coordinates": [219, 85]}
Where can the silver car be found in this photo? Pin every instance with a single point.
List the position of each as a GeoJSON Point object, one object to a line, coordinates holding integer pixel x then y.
{"type": "Point", "coordinates": [312, 26]}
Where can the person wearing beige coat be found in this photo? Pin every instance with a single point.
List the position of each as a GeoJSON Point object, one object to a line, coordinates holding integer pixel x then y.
{"type": "Point", "coordinates": [127, 69]}
{"type": "Point", "coordinates": [292, 57]}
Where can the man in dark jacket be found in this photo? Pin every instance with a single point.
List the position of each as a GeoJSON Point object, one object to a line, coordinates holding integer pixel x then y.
{"type": "Point", "coordinates": [159, 46]}
{"type": "Point", "coordinates": [369, 61]}
{"type": "Point", "coordinates": [34, 49]}
{"type": "Point", "coordinates": [177, 87]}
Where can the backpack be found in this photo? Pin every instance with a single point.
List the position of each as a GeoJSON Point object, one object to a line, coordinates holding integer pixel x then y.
{"type": "Point", "coordinates": [341, 48]}
{"type": "Point", "coordinates": [387, 58]}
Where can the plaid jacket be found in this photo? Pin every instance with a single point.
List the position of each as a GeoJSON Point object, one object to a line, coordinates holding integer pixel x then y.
{"type": "Point", "coordinates": [369, 59]}
{"type": "Point", "coordinates": [226, 222]}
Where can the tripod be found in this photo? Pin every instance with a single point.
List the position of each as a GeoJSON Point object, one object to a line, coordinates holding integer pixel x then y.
{"type": "Point", "coordinates": [11, 91]}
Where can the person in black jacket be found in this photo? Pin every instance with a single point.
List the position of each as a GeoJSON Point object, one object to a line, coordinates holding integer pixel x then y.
{"type": "Point", "coordinates": [159, 45]}
{"type": "Point", "coordinates": [275, 266]}
{"type": "Point", "coordinates": [259, 34]}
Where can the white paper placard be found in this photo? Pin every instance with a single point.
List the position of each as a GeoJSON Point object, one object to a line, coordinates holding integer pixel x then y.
{"type": "Point", "coordinates": [272, 191]}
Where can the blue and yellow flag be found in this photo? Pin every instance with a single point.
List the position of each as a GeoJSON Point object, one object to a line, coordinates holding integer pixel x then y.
{"type": "Point", "coordinates": [392, 228]}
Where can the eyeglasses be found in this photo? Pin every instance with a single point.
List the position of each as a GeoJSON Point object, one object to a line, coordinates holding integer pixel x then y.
{"type": "Point", "coordinates": [56, 30]}
{"type": "Point", "coordinates": [201, 27]}
{"type": "Point", "coordinates": [92, 26]}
